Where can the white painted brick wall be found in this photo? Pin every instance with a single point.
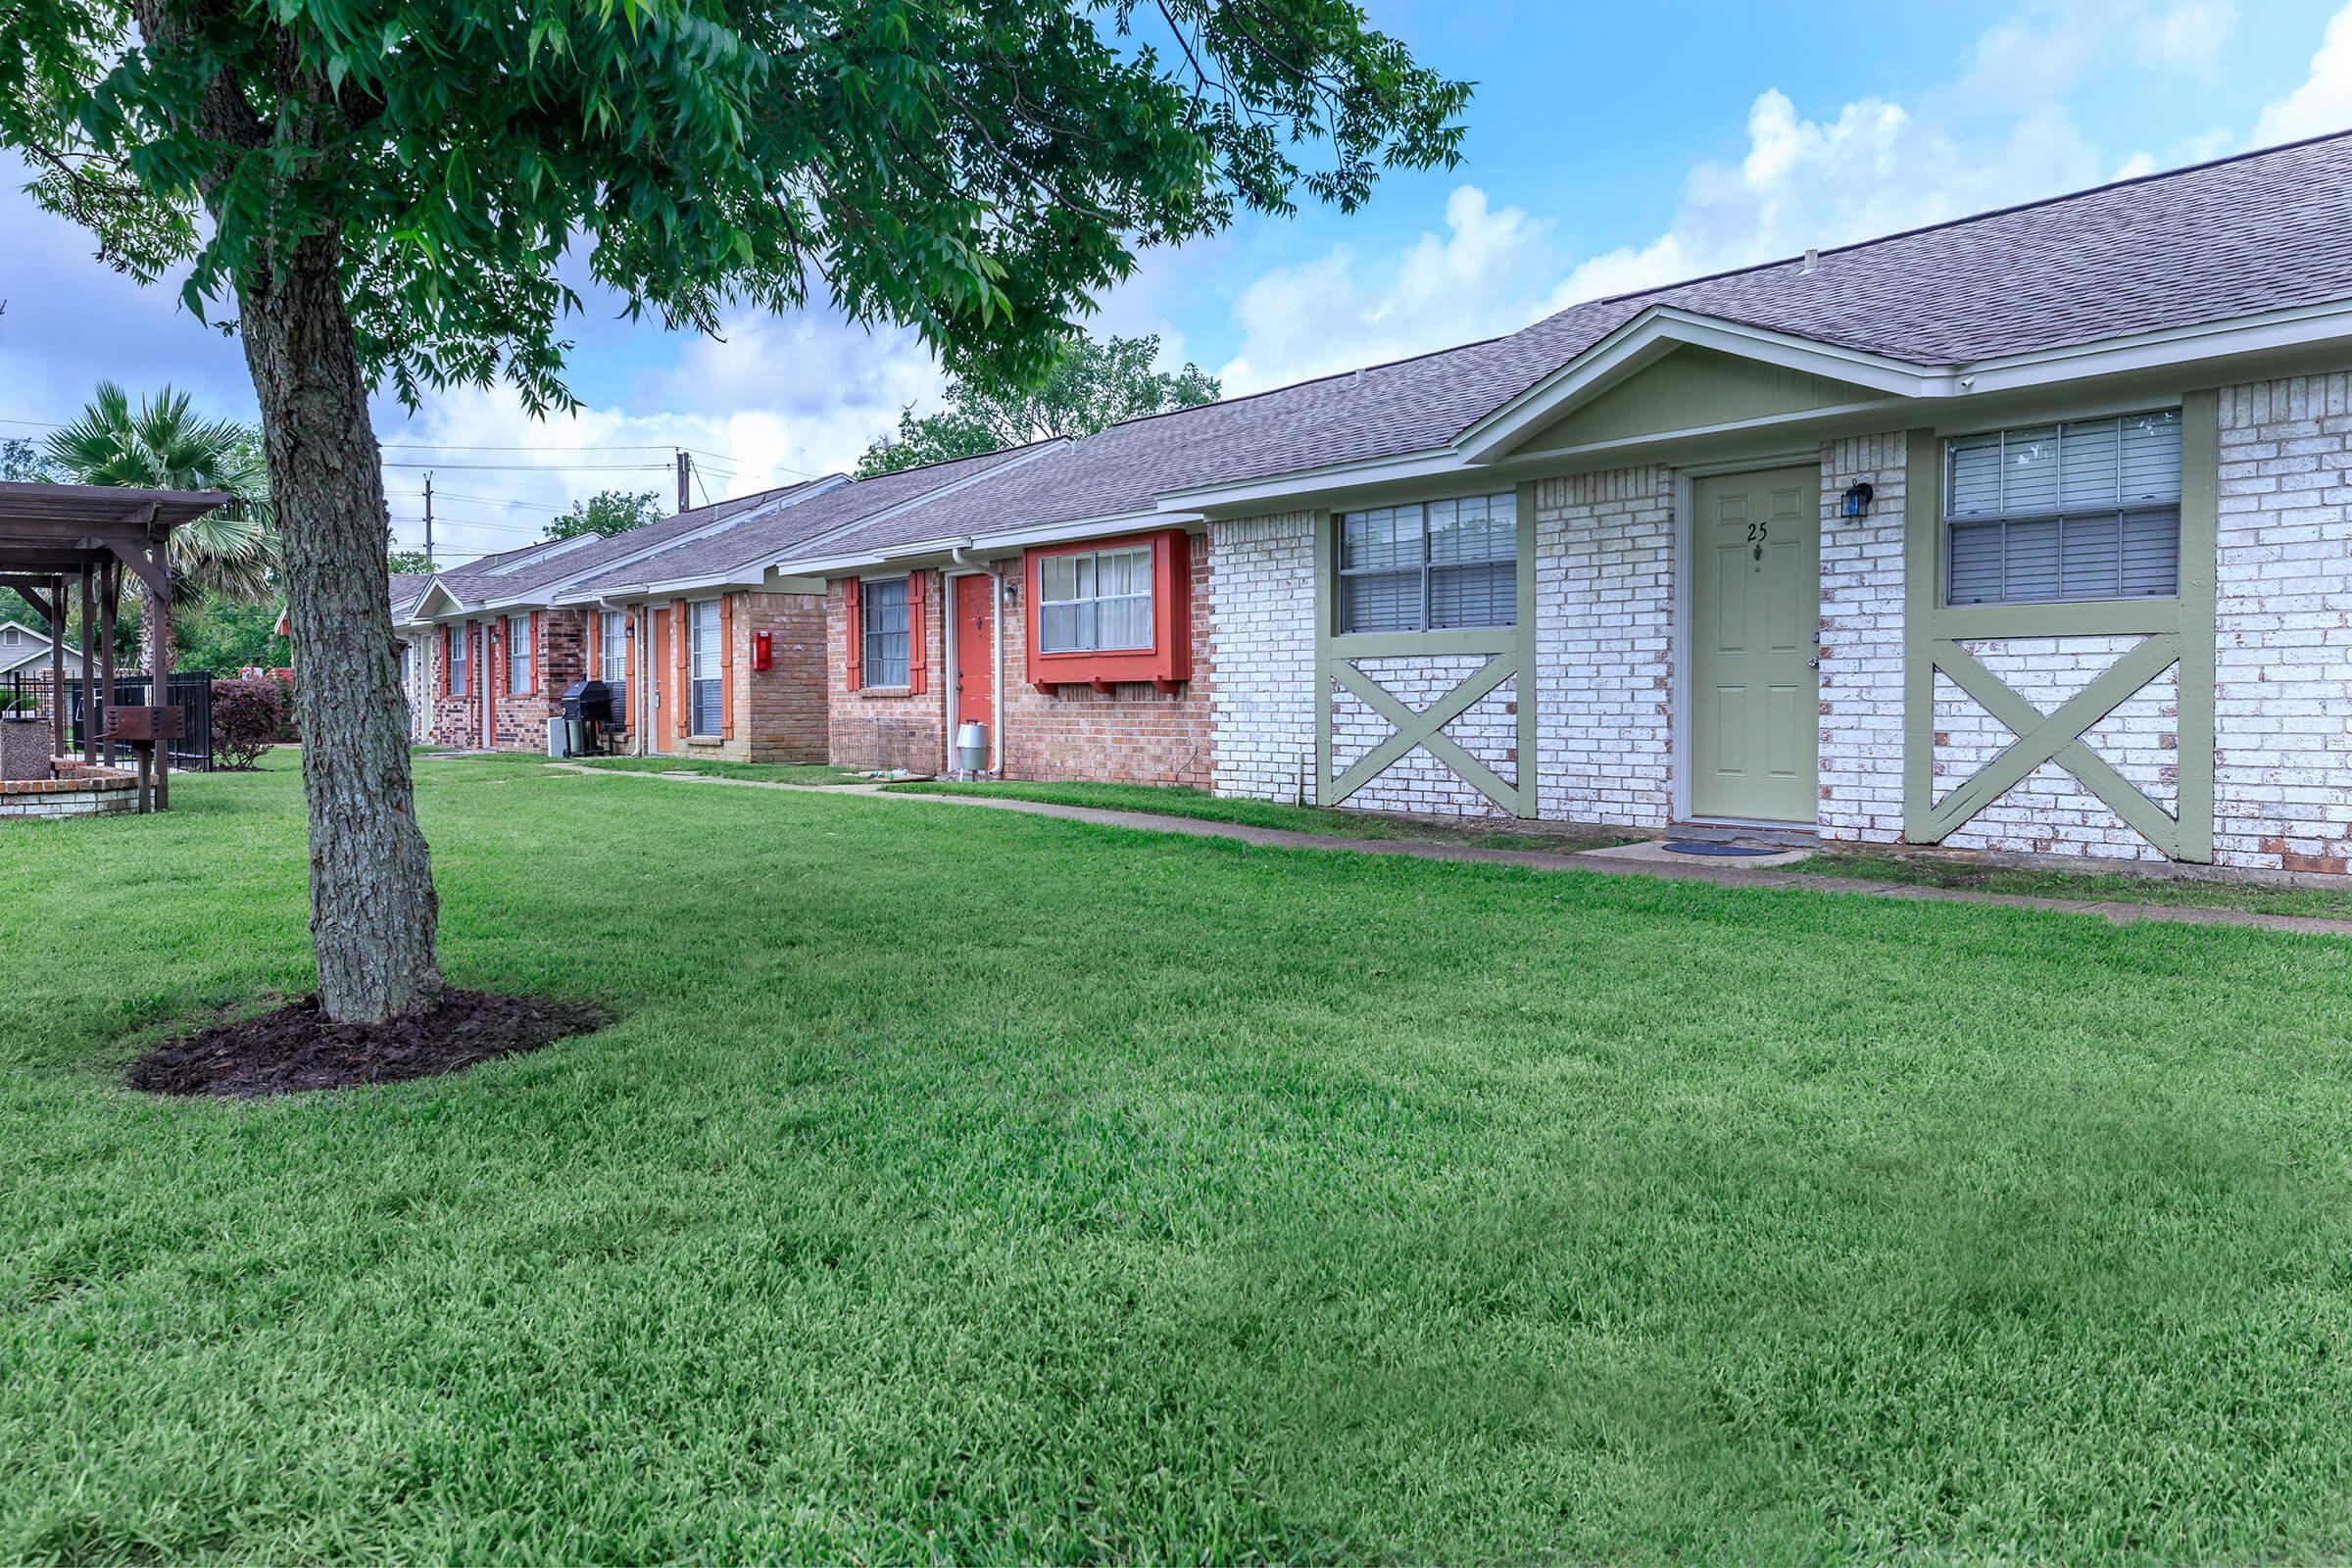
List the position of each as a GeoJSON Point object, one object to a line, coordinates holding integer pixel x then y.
{"type": "Point", "coordinates": [1261, 597]}
{"type": "Point", "coordinates": [2283, 712]}
{"type": "Point", "coordinates": [2049, 812]}
{"type": "Point", "coordinates": [1605, 588]}
{"type": "Point", "coordinates": [1862, 642]}
{"type": "Point", "coordinates": [1605, 647]}
{"type": "Point", "coordinates": [1418, 781]}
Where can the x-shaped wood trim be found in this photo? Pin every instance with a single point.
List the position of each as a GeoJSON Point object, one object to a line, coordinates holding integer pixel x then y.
{"type": "Point", "coordinates": [1425, 730]}
{"type": "Point", "coordinates": [2056, 736]}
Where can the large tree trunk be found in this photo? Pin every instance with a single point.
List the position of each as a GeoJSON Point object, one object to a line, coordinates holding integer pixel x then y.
{"type": "Point", "coordinates": [372, 909]}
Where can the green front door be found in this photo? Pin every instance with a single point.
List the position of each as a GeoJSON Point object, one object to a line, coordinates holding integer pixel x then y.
{"type": "Point", "coordinates": [1755, 635]}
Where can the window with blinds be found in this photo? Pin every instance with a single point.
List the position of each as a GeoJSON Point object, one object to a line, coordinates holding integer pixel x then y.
{"type": "Point", "coordinates": [1096, 600]}
{"type": "Point", "coordinates": [1429, 567]}
{"type": "Point", "coordinates": [703, 654]}
{"type": "Point", "coordinates": [882, 629]}
{"type": "Point", "coordinates": [458, 637]}
{"type": "Point", "coordinates": [2090, 509]}
{"type": "Point", "coordinates": [613, 659]}
{"type": "Point", "coordinates": [518, 652]}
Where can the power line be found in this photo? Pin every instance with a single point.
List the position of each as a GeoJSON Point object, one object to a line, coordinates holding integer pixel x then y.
{"type": "Point", "coordinates": [543, 467]}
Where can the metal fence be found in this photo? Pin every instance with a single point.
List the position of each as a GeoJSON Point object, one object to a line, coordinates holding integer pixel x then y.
{"type": "Point", "coordinates": [190, 689]}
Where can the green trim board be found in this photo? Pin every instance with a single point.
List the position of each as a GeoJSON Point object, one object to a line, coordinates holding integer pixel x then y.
{"type": "Point", "coordinates": [1693, 389]}
{"type": "Point", "coordinates": [1510, 652]}
{"type": "Point", "coordinates": [2175, 633]}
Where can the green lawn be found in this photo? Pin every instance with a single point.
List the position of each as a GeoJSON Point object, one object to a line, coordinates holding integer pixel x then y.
{"type": "Point", "coordinates": [2104, 887]}
{"type": "Point", "coordinates": [1170, 800]}
{"type": "Point", "coordinates": [770, 772]}
{"type": "Point", "coordinates": [963, 1185]}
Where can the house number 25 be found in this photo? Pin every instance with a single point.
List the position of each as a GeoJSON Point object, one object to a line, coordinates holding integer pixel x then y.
{"type": "Point", "coordinates": [1757, 534]}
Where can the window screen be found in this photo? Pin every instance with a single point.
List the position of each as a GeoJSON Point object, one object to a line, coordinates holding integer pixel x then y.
{"type": "Point", "coordinates": [459, 636]}
{"type": "Point", "coordinates": [882, 624]}
{"type": "Point", "coordinates": [703, 669]}
{"type": "Point", "coordinates": [2085, 510]}
{"type": "Point", "coordinates": [1096, 600]}
{"type": "Point", "coordinates": [518, 652]}
{"type": "Point", "coordinates": [1429, 567]}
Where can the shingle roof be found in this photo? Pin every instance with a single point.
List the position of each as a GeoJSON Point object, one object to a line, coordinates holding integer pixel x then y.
{"type": "Point", "coordinates": [516, 575]}
{"type": "Point", "coordinates": [2258, 232]}
{"type": "Point", "coordinates": [407, 588]}
{"type": "Point", "coordinates": [765, 538]}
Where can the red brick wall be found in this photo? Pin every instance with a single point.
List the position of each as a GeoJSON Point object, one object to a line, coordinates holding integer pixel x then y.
{"type": "Point", "coordinates": [874, 729]}
{"type": "Point", "coordinates": [521, 716]}
{"type": "Point", "coordinates": [781, 711]}
{"type": "Point", "coordinates": [455, 721]}
{"type": "Point", "coordinates": [1131, 734]}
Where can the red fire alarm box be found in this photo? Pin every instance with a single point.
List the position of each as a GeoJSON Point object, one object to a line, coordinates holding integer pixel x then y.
{"type": "Point", "coordinates": [764, 649]}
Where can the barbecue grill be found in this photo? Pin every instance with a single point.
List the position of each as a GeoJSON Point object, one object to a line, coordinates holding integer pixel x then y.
{"type": "Point", "coordinates": [587, 709]}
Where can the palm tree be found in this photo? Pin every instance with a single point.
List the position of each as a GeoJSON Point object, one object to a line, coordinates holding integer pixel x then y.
{"type": "Point", "coordinates": [230, 550]}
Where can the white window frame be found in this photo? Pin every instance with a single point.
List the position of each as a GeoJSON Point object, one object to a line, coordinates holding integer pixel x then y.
{"type": "Point", "coordinates": [1502, 508]}
{"type": "Point", "coordinates": [1085, 567]}
{"type": "Point", "coordinates": [866, 634]}
{"type": "Point", "coordinates": [518, 645]}
{"type": "Point", "coordinates": [703, 652]}
{"type": "Point", "coordinates": [459, 636]}
{"type": "Point", "coordinates": [2118, 513]}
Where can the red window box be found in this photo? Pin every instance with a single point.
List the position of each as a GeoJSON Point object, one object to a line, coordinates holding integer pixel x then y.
{"type": "Point", "coordinates": [1167, 663]}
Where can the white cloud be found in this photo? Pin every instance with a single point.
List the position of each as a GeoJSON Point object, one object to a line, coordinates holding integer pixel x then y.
{"type": "Point", "coordinates": [1999, 133]}
{"type": "Point", "coordinates": [2323, 103]}
{"type": "Point", "coordinates": [777, 401]}
{"type": "Point", "coordinates": [1487, 273]}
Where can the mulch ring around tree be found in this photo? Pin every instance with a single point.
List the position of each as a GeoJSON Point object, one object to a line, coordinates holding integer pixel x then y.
{"type": "Point", "coordinates": [296, 1048]}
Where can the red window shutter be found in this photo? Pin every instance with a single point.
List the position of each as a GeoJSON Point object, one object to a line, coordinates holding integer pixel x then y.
{"type": "Point", "coordinates": [538, 655]}
{"type": "Point", "coordinates": [589, 651]}
{"type": "Point", "coordinates": [445, 659]}
{"type": "Point", "coordinates": [917, 654]}
{"type": "Point", "coordinates": [852, 658]}
{"type": "Point", "coordinates": [726, 666]}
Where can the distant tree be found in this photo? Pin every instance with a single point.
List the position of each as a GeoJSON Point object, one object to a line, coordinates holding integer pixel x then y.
{"type": "Point", "coordinates": [415, 562]}
{"type": "Point", "coordinates": [406, 195]}
{"type": "Point", "coordinates": [230, 550]}
{"type": "Point", "coordinates": [227, 636]}
{"type": "Point", "coordinates": [1092, 385]}
{"type": "Point", "coordinates": [21, 463]}
{"type": "Point", "coordinates": [608, 513]}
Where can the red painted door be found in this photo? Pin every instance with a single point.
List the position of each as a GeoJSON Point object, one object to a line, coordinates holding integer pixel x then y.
{"type": "Point", "coordinates": [660, 675]}
{"type": "Point", "coordinates": [975, 669]}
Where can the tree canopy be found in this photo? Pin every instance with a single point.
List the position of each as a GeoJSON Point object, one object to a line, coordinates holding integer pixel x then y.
{"type": "Point", "coordinates": [977, 169]}
{"type": "Point", "coordinates": [1097, 382]}
{"type": "Point", "coordinates": [608, 513]}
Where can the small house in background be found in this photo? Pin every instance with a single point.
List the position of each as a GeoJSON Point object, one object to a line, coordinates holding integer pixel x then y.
{"type": "Point", "coordinates": [24, 652]}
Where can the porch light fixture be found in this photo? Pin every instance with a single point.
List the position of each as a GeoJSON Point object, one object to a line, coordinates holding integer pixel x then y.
{"type": "Point", "coordinates": [1858, 498]}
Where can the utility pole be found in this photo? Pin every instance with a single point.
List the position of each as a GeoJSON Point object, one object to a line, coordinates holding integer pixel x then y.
{"type": "Point", "coordinates": [685, 474]}
{"type": "Point", "coordinates": [428, 523]}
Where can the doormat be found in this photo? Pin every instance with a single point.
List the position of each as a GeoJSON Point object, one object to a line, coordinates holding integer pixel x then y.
{"type": "Point", "coordinates": [1732, 851]}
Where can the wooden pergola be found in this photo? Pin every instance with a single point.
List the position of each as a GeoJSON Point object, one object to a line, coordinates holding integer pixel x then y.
{"type": "Point", "coordinates": [87, 536]}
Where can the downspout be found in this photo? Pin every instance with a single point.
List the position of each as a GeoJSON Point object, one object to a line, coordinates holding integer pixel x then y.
{"type": "Point", "coordinates": [962, 555]}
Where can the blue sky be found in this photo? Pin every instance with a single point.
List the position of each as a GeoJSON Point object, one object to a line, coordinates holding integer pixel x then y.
{"type": "Point", "coordinates": [1609, 148]}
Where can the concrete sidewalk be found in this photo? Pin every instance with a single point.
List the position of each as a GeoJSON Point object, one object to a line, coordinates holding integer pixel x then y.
{"type": "Point", "coordinates": [1606, 862]}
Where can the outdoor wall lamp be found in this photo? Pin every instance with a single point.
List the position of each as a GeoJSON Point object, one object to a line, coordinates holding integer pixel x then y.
{"type": "Point", "coordinates": [1858, 498]}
